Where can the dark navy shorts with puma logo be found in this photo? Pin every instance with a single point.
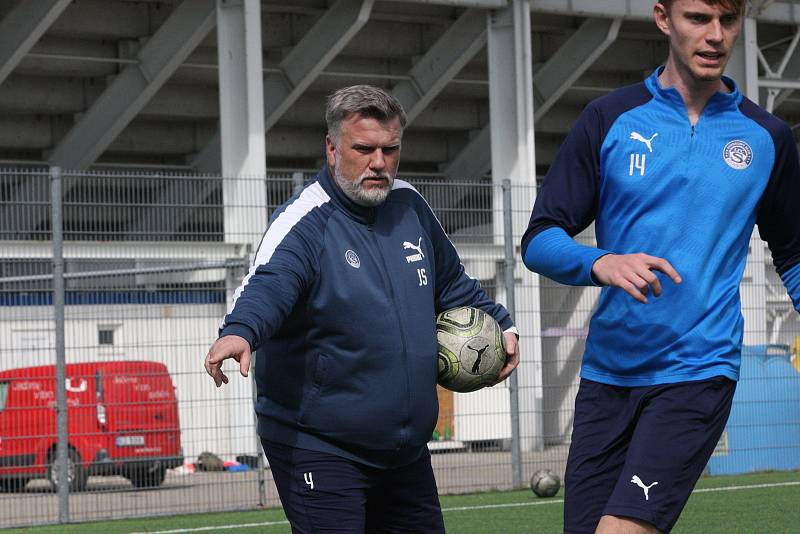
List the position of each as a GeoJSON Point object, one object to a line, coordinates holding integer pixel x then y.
{"type": "Point", "coordinates": [638, 451]}
{"type": "Point", "coordinates": [321, 492]}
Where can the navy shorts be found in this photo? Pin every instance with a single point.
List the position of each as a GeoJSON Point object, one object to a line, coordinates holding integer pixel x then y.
{"type": "Point", "coordinates": [638, 451]}
{"type": "Point", "coordinates": [321, 492]}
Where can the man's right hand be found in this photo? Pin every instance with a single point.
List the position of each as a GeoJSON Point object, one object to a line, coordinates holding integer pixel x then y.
{"type": "Point", "coordinates": [227, 347]}
{"type": "Point", "coordinates": [633, 273]}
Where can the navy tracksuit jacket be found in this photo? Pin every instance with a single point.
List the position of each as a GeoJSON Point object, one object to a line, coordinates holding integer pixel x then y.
{"type": "Point", "coordinates": [340, 304]}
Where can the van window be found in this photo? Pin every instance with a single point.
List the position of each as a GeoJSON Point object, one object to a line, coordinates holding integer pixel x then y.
{"type": "Point", "coordinates": [3, 395]}
{"type": "Point", "coordinates": [105, 336]}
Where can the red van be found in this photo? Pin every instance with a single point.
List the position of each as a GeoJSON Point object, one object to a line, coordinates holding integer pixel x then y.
{"type": "Point", "coordinates": [122, 420]}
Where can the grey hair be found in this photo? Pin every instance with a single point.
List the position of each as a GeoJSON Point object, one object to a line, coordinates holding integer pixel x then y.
{"type": "Point", "coordinates": [365, 100]}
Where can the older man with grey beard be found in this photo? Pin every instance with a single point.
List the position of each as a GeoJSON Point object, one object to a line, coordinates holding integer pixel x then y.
{"type": "Point", "coordinates": [342, 315]}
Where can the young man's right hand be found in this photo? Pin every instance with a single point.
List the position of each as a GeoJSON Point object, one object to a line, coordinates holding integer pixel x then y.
{"type": "Point", "coordinates": [634, 273]}
{"type": "Point", "coordinates": [227, 347]}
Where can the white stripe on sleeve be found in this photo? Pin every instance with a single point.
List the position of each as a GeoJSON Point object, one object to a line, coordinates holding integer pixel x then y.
{"type": "Point", "coordinates": [312, 197]}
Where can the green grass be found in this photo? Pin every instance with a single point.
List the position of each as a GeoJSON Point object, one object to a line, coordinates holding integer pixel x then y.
{"type": "Point", "coordinates": [744, 510]}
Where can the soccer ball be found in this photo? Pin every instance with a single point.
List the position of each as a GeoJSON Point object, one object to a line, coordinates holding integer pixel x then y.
{"type": "Point", "coordinates": [545, 483]}
{"type": "Point", "coordinates": [471, 349]}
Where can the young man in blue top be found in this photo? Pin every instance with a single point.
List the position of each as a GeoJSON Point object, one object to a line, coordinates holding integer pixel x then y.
{"type": "Point", "coordinates": [674, 172]}
{"type": "Point", "coordinates": [342, 313]}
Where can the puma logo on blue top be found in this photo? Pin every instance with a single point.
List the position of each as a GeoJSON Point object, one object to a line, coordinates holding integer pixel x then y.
{"type": "Point", "coordinates": [639, 137]}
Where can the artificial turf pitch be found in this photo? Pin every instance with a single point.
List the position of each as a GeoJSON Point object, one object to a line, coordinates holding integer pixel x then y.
{"type": "Point", "coordinates": [755, 503]}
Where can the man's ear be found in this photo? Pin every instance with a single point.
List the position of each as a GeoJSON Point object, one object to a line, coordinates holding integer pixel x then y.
{"type": "Point", "coordinates": [661, 16]}
{"type": "Point", "coordinates": [330, 151]}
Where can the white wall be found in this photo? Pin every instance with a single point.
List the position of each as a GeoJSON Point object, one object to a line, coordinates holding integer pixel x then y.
{"type": "Point", "coordinates": [216, 420]}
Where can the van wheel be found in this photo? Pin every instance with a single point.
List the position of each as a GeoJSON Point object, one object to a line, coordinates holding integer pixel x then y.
{"type": "Point", "coordinates": [76, 474]}
{"type": "Point", "coordinates": [146, 475]}
{"type": "Point", "coordinates": [12, 485]}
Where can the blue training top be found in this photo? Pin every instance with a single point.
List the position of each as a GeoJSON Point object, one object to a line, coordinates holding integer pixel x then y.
{"type": "Point", "coordinates": [655, 184]}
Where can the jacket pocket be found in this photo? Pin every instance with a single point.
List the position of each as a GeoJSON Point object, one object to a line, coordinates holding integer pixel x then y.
{"type": "Point", "coordinates": [312, 394]}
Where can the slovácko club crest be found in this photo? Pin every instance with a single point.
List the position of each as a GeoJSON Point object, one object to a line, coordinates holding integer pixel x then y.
{"type": "Point", "coordinates": [737, 154]}
{"type": "Point", "coordinates": [352, 258]}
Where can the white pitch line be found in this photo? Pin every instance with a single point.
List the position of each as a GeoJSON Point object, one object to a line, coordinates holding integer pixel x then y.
{"type": "Point", "coordinates": [507, 505]}
{"type": "Point", "coordinates": [751, 486]}
{"type": "Point", "coordinates": [467, 508]}
{"type": "Point", "coordinates": [218, 527]}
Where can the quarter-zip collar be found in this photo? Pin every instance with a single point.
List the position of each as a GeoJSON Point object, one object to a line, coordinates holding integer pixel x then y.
{"type": "Point", "coordinates": [362, 214]}
{"type": "Point", "coordinates": [718, 103]}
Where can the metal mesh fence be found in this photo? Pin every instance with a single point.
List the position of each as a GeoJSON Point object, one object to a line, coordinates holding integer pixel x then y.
{"type": "Point", "coordinates": [150, 262]}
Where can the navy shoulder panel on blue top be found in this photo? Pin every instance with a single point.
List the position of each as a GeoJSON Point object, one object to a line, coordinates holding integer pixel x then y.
{"type": "Point", "coordinates": [778, 222]}
{"type": "Point", "coordinates": [568, 196]}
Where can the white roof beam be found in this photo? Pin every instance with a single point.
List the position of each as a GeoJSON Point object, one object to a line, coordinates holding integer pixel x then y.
{"type": "Point", "coordinates": [22, 27]}
{"type": "Point", "coordinates": [315, 51]}
{"type": "Point", "coordinates": [132, 89]}
{"type": "Point", "coordinates": [474, 160]}
{"type": "Point", "coordinates": [573, 58]}
{"type": "Point", "coordinates": [777, 11]}
{"type": "Point", "coordinates": [789, 69]}
{"type": "Point", "coordinates": [486, 4]}
{"type": "Point", "coordinates": [595, 8]}
{"type": "Point", "coordinates": [454, 49]}
{"type": "Point", "coordinates": [301, 66]}
{"type": "Point", "coordinates": [550, 82]}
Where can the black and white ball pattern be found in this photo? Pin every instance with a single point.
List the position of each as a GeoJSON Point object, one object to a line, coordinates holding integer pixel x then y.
{"type": "Point", "coordinates": [545, 483]}
{"type": "Point", "coordinates": [471, 349]}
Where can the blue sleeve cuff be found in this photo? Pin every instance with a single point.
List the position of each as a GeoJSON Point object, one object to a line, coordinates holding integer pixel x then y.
{"type": "Point", "coordinates": [791, 279]}
{"type": "Point", "coordinates": [556, 255]}
{"type": "Point", "coordinates": [238, 329]}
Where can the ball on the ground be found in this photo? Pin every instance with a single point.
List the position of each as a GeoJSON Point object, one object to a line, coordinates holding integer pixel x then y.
{"type": "Point", "coordinates": [545, 483]}
{"type": "Point", "coordinates": [471, 349]}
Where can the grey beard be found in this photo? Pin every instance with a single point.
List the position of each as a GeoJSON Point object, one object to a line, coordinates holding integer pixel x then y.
{"type": "Point", "coordinates": [356, 192]}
